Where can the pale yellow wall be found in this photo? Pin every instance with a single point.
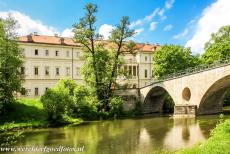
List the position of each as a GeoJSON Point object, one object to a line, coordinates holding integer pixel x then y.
{"type": "Point", "coordinates": [42, 81]}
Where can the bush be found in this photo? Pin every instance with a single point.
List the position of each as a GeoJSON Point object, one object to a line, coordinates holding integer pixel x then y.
{"type": "Point", "coordinates": [57, 100]}
{"type": "Point", "coordinates": [85, 105]}
{"type": "Point", "coordinates": [116, 106]}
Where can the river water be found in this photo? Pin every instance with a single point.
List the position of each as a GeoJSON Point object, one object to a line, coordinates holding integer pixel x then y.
{"type": "Point", "coordinates": [128, 136]}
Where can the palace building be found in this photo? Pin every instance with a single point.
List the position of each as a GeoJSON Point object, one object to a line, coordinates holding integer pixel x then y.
{"type": "Point", "coordinates": [47, 59]}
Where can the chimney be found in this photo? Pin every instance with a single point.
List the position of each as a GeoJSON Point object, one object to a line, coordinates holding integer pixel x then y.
{"type": "Point", "coordinates": [62, 40]}
{"type": "Point", "coordinates": [30, 38]}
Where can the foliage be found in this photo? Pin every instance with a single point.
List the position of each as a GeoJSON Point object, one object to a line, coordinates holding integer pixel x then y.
{"type": "Point", "coordinates": [25, 110]}
{"type": "Point", "coordinates": [85, 105]}
{"type": "Point", "coordinates": [100, 70]}
{"type": "Point", "coordinates": [218, 47]}
{"type": "Point", "coordinates": [172, 58]}
{"type": "Point", "coordinates": [56, 101]}
{"type": "Point", "coordinates": [10, 63]}
{"type": "Point", "coordinates": [218, 143]}
{"type": "Point", "coordinates": [116, 106]}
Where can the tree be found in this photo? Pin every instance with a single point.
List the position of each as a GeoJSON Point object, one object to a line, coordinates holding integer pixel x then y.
{"type": "Point", "coordinates": [218, 47]}
{"type": "Point", "coordinates": [172, 58]}
{"type": "Point", "coordinates": [10, 62]}
{"type": "Point", "coordinates": [102, 63]}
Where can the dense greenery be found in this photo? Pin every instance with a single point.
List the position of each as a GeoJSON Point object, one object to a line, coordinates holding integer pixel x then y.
{"type": "Point", "coordinates": [218, 143]}
{"type": "Point", "coordinates": [102, 63]}
{"type": "Point", "coordinates": [67, 99]}
{"type": "Point", "coordinates": [172, 58]}
{"type": "Point", "coordinates": [23, 113]}
{"type": "Point", "coordinates": [10, 63]}
{"type": "Point", "coordinates": [218, 47]}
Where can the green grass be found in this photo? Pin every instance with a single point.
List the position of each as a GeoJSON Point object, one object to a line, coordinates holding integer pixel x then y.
{"type": "Point", "coordinates": [24, 113]}
{"type": "Point", "coordinates": [218, 143]}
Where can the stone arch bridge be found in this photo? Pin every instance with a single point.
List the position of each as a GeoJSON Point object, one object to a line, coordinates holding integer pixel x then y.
{"type": "Point", "coordinates": [197, 91]}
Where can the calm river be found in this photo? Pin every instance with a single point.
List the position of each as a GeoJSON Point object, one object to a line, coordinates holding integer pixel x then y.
{"type": "Point", "coordinates": [129, 136]}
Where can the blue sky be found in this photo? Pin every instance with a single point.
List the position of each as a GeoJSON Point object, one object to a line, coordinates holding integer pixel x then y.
{"type": "Point", "coordinates": [156, 21]}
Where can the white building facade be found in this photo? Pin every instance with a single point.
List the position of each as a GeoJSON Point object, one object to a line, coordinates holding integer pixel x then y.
{"type": "Point", "coordinates": [47, 59]}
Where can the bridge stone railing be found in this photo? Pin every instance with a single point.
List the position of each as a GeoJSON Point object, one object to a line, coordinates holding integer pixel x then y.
{"type": "Point", "coordinates": [191, 70]}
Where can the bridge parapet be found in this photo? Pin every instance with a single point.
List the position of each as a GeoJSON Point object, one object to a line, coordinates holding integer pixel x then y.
{"type": "Point", "coordinates": [190, 71]}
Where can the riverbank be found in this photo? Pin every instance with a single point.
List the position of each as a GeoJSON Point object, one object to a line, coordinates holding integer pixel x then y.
{"type": "Point", "coordinates": [24, 114]}
{"type": "Point", "coordinates": [218, 143]}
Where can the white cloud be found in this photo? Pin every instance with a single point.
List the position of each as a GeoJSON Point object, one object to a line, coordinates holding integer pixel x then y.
{"type": "Point", "coordinates": [28, 25]}
{"type": "Point", "coordinates": [169, 4]}
{"type": "Point", "coordinates": [181, 35]}
{"type": "Point", "coordinates": [105, 30]}
{"type": "Point", "coordinates": [67, 32]}
{"type": "Point", "coordinates": [168, 27]}
{"type": "Point", "coordinates": [153, 26]}
{"type": "Point", "coordinates": [213, 17]}
{"type": "Point", "coordinates": [157, 12]}
{"type": "Point", "coordinates": [135, 23]}
{"type": "Point", "coordinates": [148, 18]}
{"type": "Point", "coordinates": [138, 31]}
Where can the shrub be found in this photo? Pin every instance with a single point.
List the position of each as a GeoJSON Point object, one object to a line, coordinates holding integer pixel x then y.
{"type": "Point", "coordinates": [116, 106]}
{"type": "Point", "coordinates": [85, 104]}
{"type": "Point", "coordinates": [55, 102]}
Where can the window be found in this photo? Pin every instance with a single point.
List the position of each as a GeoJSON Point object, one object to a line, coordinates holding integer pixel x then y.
{"type": "Point", "coordinates": [36, 92]}
{"type": "Point", "coordinates": [130, 70]}
{"type": "Point", "coordinates": [67, 54]}
{"type": "Point", "coordinates": [146, 73]}
{"type": "Point", "coordinates": [77, 54]}
{"type": "Point", "coordinates": [146, 58]}
{"type": "Point", "coordinates": [134, 71]}
{"type": "Point", "coordinates": [67, 71]}
{"type": "Point", "coordinates": [22, 70]}
{"type": "Point", "coordinates": [47, 71]}
{"type": "Point", "coordinates": [125, 70]}
{"type": "Point", "coordinates": [57, 71]}
{"type": "Point", "coordinates": [23, 91]}
{"type": "Point", "coordinates": [77, 71]}
{"type": "Point", "coordinates": [36, 52]}
{"type": "Point", "coordinates": [47, 52]}
{"type": "Point", "coordinates": [46, 88]}
{"type": "Point", "coordinates": [57, 53]}
{"type": "Point", "coordinates": [35, 70]}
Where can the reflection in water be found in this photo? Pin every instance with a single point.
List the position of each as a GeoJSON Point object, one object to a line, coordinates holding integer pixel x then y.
{"type": "Point", "coordinates": [145, 135]}
{"type": "Point", "coordinates": [185, 133]}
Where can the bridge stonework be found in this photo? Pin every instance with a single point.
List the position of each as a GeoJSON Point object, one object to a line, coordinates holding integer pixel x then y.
{"type": "Point", "coordinates": [198, 93]}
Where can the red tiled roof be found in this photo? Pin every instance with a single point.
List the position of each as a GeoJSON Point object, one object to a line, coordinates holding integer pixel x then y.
{"type": "Point", "coordinates": [48, 40]}
{"type": "Point", "coordinates": [55, 40]}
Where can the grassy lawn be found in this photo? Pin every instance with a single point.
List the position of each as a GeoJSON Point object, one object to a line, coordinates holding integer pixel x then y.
{"type": "Point", "coordinates": [24, 113]}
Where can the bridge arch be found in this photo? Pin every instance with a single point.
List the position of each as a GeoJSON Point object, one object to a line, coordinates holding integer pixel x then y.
{"type": "Point", "coordinates": [213, 98]}
{"type": "Point", "coordinates": [155, 99]}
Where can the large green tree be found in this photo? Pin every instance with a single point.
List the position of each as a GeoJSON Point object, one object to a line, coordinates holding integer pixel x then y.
{"type": "Point", "coordinates": [10, 62]}
{"type": "Point", "coordinates": [102, 62]}
{"type": "Point", "coordinates": [172, 58]}
{"type": "Point", "coordinates": [218, 47]}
